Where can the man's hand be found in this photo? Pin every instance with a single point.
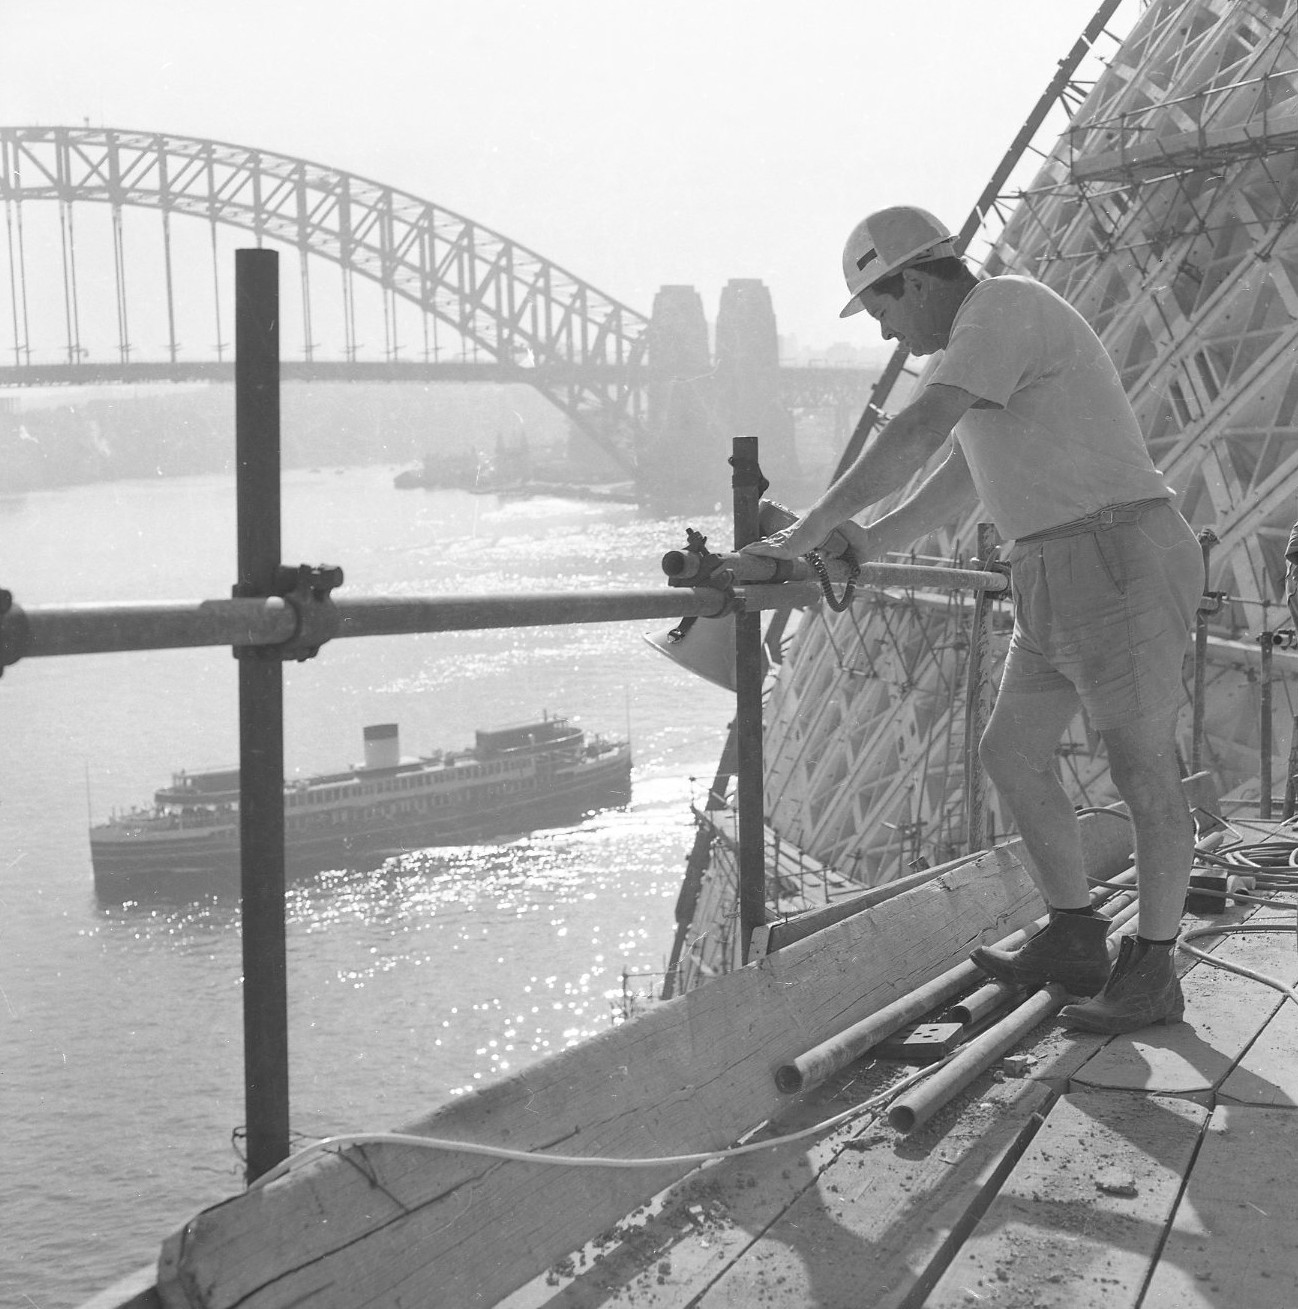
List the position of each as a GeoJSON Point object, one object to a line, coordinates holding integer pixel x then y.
{"type": "Point", "coordinates": [784, 544]}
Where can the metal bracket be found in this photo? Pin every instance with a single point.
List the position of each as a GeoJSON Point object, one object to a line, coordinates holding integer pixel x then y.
{"type": "Point", "coordinates": [696, 565]}
{"type": "Point", "coordinates": [993, 563]}
{"type": "Point", "coordinates": [307, 590]}
{"type": "Point", "coordinates": [15, 635]}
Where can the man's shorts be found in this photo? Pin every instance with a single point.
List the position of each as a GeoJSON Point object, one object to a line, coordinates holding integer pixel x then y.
{"type": "Point", "coordinates": [1107, 612]}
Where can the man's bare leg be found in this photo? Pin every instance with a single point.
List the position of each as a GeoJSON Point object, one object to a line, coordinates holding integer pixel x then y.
{"type": "Point", "coordinates": [1018, 751]}
{"type": "Point", "coordinates": [1143, 764]}
{"type": "Point", "coordinates": [1143, 987]}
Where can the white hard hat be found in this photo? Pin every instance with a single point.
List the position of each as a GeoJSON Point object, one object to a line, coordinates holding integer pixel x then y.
{"type": "Point", "coordinates": [886, 241]}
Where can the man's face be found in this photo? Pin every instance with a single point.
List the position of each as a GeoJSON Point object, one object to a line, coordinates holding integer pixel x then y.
{"type": "Point", "coordinates": [913, 318]}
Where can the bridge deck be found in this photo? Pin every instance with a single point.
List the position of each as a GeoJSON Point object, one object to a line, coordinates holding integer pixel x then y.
{"type": "Point", "coordinates": [1155, 1170]}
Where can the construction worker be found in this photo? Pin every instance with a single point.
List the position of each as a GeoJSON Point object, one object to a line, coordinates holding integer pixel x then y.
{"type": "Point", "coordinates": [1107, 577]}
{"type": "Point", "coordinates": [1291, 574]}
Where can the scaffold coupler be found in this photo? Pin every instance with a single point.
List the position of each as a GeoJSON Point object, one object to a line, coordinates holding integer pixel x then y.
{"type": "Point", "coordinates": [308, 591]}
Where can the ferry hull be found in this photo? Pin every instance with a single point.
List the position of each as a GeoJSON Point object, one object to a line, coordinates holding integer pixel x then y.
{"type": "Point", "coordinates": [204, 859]}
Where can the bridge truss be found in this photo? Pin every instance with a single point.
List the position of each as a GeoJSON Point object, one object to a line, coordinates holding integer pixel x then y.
{"type": "Point", "coordinates": [535, 320]}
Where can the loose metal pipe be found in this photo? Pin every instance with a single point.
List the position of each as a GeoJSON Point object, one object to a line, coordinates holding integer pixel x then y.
{"type": "Point", "coordinates": [985, 1000]}
{"type": "Point", "coordinates": [825, 1059]}
{"type": "Point", "coordinates": [918, 1106]}
{"type": "Point", "coordinates": [261, 714]}
{"type": "Point", "coordinates": [747, 486]}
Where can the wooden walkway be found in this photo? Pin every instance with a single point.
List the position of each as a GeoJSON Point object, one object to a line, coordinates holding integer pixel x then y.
{"type": "Point", "coordinates": [1157, 1170]}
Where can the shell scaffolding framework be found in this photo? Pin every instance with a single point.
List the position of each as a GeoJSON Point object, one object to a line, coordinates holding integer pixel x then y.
{"type": "Point", "coordinates": [1164, 210]}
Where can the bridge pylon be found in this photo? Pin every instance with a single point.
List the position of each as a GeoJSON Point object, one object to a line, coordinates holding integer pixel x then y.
{"type": "Point", "coordinates": [681, 462]}
{"type": "Point", "coordinates": [748, 378]}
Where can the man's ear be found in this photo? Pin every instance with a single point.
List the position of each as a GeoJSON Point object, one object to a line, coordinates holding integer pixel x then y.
{"type": "Point", "coordinates": [914, 278]}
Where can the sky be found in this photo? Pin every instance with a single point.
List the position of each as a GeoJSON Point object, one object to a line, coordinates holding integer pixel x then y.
{"type": "Point", "coordinates": [635, 144]}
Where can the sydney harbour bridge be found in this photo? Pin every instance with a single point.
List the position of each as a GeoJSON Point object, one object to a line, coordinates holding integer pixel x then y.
{"type": "Point", "coordinates": [100, 290]}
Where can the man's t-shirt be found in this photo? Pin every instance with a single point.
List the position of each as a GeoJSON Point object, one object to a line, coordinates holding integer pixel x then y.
{"type": "Point", "coordinates": [1053, 438]}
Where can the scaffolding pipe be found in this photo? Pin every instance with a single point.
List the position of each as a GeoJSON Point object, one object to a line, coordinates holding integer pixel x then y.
{"type": "Point", "coordinates": [45, 630]}
{"type": "Point", "coordinates": [1267, 641]}
{"type": "Point", "coordinates": [916, 1107]}
{"type": "Point", "coordinates": [984, 1001]}
{"type": "Point", "coordinates": [913, 1110]}
{"type": "Point", "coordinates": [1207, 539]}
{"type": "Point", "coordinates": [978, 699]}
{"type": "Point", "coordinates": [825, 1059]}
{"type": "Point", "coordinates": [681, 566]}
{"type": "Point", "coordinates": [48, 630]}
{"type": "Point", "coordinates": [261, 715]}
{"type": "Point", "coordinates": [1291, 773]}
{"type": "Point", "coordinates": [747, 485]}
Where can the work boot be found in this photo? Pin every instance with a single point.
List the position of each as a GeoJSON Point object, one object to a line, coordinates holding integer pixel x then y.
{"type": "Point", "coordinates": [1069, 950]}
{"type": "Point", "coordinates": [1142, 989]}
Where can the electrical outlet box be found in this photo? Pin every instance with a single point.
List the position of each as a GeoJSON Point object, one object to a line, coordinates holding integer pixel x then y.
{"type": "Point", "coordinates": [920, 1044]}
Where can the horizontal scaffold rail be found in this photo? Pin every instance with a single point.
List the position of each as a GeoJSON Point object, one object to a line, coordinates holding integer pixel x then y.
{"type": "Point", "coordinates": [45, 630]}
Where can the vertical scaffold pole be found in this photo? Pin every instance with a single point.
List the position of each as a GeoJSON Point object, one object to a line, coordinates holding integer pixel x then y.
{"type": "Point", "coordinates": [261, 714]}
{"type": "Point", "coordinates": [1207, 539]}
{"type": "Point", "coordinates": [978, 696]}
{"type": "Point", "coordinates": [1267, 642]}
{"type": "Point", "coordinates": [746, 485]}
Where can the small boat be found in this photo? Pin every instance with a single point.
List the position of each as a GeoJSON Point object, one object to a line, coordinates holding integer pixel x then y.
{"type": "Point", "coordinates": [512, 780]}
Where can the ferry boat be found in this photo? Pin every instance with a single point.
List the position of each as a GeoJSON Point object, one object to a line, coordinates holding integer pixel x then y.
{"type": "Point", "coordinates": [513, 779]}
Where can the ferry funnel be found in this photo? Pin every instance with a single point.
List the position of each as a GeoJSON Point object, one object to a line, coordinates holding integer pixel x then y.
{"type": "Point", "coordinates": [382, 746]}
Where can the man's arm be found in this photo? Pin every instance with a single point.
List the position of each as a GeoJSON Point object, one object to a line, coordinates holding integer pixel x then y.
{"type": "Point", "coordinates": [941, 499]}
{"type": "Point", "coordinates": [1291, 574]}
{"type": "Point", "coordinates": [888, 462]}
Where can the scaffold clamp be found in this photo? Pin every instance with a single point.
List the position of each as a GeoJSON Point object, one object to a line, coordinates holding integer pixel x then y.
{"type": "Point", "coordinates": [15, 635]}
{"type": "Point", "coordinates": [307, 589]}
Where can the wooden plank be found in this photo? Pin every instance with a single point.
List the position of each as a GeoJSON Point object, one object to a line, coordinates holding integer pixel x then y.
{"type": "Point", "coordinates": [690, 1074]}
{"type": "Point", "coordinates": [1223, 1014]}
{"type": "Point", "coordinates": [740, 1233]}
{"type": "Point", "coordinates": [687, 1237]}
{"type": "Point", "coordinates": [1232, 1239]}
{"type": "Point", "coordinates": [1079, 1220]}
{"type": "Point", "coordinates": [873, 1225]}
{"type": "Point", "coordinates": [136, 1290]}
{"type": "Point", "coordinates": [1103, 846]}
{"type": "Point", "coordinates": [1268, 1073]}
{"type": "Point", "coordinates": [774, 936]}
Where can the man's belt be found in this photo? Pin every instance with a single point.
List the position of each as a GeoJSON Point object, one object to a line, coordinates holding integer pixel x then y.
{"type": "Point", "coordinates": [1096, 522]}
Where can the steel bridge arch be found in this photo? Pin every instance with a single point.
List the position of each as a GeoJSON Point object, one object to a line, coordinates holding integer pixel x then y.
{"type": "Point", "coordinates": [499, 295]}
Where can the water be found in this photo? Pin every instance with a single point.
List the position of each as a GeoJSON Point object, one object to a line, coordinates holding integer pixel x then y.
{"type": "Point", "coordinates": [121, 1069]}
